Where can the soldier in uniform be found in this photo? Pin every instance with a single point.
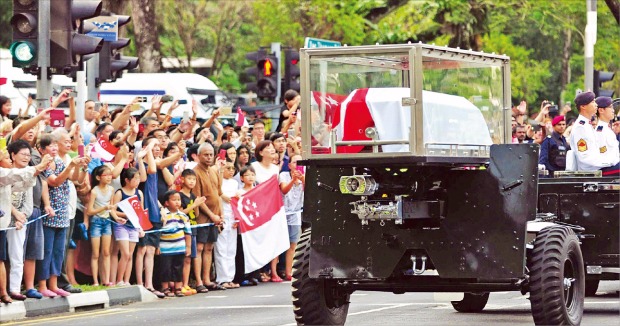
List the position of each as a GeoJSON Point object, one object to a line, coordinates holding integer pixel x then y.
{"type": "Point", "coordinates": [553, 148]}
{"type": "Point", "coordinates": [582, 139]}
{"type": "Point", "coordinates": [606, 137]}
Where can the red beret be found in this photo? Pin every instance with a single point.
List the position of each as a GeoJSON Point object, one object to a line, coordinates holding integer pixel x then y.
{"type": "Point", "coordinates": [557, 120]}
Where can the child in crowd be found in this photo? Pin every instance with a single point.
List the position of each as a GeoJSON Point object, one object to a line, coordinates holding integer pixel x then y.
{"type": "Point", "coordinates": [100, 209]}
{"type": "Point", "coordinates": [189, 205]}
{"type": "Point", "coordinates": [175, 243]}
{"type": "Point", "coordinates": [226, 246]}
{"type": "Point", "coordinates": [248, 178]}
{"type": "Point", "coordinates": [292, 185]}
{"type": "Point", "coordinates": [127, 234]}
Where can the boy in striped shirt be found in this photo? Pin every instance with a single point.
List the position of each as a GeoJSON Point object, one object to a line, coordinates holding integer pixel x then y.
{"type": "Point", "coordinates": [175, 243]}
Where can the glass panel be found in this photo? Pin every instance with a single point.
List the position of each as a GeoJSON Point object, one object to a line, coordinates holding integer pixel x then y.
{"type": "Point", "coordinates": [463, 106]}
{"type": "Point", "coordinates": [352, 93]}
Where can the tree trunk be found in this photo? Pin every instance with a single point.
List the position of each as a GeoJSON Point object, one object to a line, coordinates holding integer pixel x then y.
{"type": "Point", "coordinates": [614, 7]}
{"type": "Point", "coordinates": [566, 53]}
{"type": "Point", "coordinates": [146, 36]}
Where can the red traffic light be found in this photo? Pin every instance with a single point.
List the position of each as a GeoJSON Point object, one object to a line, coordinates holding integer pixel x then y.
{"type": "Point", "coordinates": [295, 61]}
{"type": "Point", "coordinates": [267, 67]}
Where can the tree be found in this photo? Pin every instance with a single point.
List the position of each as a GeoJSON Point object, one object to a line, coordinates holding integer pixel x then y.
{"type": "Point", "coordinates": [146, 36]}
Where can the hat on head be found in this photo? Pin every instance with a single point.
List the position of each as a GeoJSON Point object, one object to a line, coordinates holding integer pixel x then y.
{"type": "Point", "coordinates": [603, 101]}
{"type": "Point", "coordinates": [584, 98]}
{"type": "Point", "coordinates": [557, 120]}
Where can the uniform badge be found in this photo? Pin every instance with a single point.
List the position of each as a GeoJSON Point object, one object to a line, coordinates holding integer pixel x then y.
{"type": "Point", "coordinates": [603, 149]}
{"type": "Point", "coordinates": [599, 128]}
{"type": "Point", "coordinates": [582, 146]}
{"type": "Point", "coordinates": [581, 122]}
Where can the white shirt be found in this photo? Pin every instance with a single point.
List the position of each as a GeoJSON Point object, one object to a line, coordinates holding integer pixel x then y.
{"type": "Point", "coordinates": [607, 143]}
{"type": "Point", "coordinates": [263, 174]}
{"type": "Point", "coordinates": [13, 180]}
{"type": "Point", "coordinates": [584, 145]}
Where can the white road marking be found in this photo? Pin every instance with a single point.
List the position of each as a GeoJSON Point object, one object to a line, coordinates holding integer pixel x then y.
{"type": "Point", "coordinates": [263, 296]}
{"type": "Point", "coordinates": [358, 294]}
{"type": "Point", "coordinates": [215, 296]}
{"type": "Point", "coordinates": [380, 309]}
{"type": "Point", "coordinates": [224, 307]}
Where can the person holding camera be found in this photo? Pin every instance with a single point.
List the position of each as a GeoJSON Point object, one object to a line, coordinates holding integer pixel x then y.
{"type": "Point", "coordinates": [606, 137]}
{"type": "Point", "coordinates": [553, 149]}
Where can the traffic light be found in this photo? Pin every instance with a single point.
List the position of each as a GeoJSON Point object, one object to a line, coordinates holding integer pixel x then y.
{"type": "Point", "coordinates": [67, 45]}
{"type": "Point", "coordinates": [131, 63]}
{"type": "Point", "coordinates": [291, 70]}
{"type": "Point", "coordinates": [601, 77]}
{"type": "Point", "coordinates": [25, 33]}
{"type": "Point", "coordinates": [266, 73]}
{"type": "Point", "coordinates": [110, 64]}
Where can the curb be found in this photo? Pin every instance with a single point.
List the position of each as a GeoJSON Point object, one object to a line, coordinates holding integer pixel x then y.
{"type": "Point", "coordinates": [75, 302]}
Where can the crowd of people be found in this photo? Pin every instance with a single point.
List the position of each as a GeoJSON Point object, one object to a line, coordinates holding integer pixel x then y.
{"type": "Point", "coordinates": [590, 138]}
{"type": "Point", "coordinates": [59, 194]}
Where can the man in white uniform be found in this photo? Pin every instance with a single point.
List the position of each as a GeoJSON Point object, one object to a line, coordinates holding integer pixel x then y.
{"type": "Point", "coordinates": [582, 139]}
{"type": "Point", "coordinates": [606, 137]}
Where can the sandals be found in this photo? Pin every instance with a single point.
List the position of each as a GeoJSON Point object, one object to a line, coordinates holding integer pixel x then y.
{"type": "Point", "coordinates": [202, 289]}
{"type": "Point", "coordinates": [179, 293]}
{"type": "Point", "coordinates": [168, 293]}
{"type": "Point", "coordinates": [215, 287]}
{"type": "Point", "coordinates": [264, 277]}
{"type": "Point", "coordinates": [157, 293]}
{"type": "Point", "coordinates": [229, 285]}
{"type": "Point", "coordinates": [6, 299]}
{"type": "Point", "coordinates": [276, 279]}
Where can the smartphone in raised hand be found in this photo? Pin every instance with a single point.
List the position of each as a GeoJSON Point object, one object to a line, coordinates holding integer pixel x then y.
{"type": "Point", "coordinates": [57, 118]}
{"type": "Point", "coordinates": [222, 155]}
{"type": "Point", "coordinates": [81, 150]}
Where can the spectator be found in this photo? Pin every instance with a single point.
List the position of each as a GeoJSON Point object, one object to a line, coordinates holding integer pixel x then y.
{"type": "Point", "coordinates": [100, 208]}
{"type": "Point", "coordinates": [209, 185]}
{"type": "Point", "coordinates": [248, 178]}
{"type": "Point", "coordinates": [258, 133]}
{"type": "Point", "coordinates": [147, 245]}
{"type": "Point", "coordinates": [290, 106]}
{"type": "Point", "coordinates": [280, 144]}
{"type": "Point", "coordinates": [189, 205]}
{"type": "Point", "coordinates": [175, 243]}
{"type": "Point", "coordinates": [292, 185]}
{"type": "Point", "coordinates": [5, 109]}
{"type": "Point", "coordinates": [55, 227]}
{"type": "Point", "coordinates": [226, 246]}
{"type": "Point", "coordinates": [518, 134]}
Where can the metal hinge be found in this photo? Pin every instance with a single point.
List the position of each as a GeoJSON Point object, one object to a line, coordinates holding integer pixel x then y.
{"type": "Point", "coordinates": [409, 101]}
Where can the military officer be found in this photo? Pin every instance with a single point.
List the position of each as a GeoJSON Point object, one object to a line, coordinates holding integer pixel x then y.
{"type": "Point", "coordinates": [553, 148]}
{"type": "Point", "coordinates": [582, 139]}
{"type": "Point", "coordinates": [605, 136]}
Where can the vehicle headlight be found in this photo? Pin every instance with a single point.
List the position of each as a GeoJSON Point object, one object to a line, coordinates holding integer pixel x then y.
{"type": "Point", "coordinates": [361, 185]}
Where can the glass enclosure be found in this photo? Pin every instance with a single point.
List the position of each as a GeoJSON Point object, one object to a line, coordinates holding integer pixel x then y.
{"type": "Point", "coordinates": [360, 101]}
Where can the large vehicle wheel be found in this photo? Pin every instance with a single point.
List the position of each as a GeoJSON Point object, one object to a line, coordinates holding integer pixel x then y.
{"type": "Point", "coordinates": [315, 302]}
{"type": "Point", "coordinates": [591, 287]}
{"type": "Point", "coordinates": [557, 278]}
{"type": "Point", "coordinates": [472, 302]}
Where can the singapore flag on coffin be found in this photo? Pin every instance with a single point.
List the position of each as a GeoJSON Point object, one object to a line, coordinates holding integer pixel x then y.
{"type": "Point", "coordinates": [105, 149]}
{"type": "Point", "coordinates": [262, 224]}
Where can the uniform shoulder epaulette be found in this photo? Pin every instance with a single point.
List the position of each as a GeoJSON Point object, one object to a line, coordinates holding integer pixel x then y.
{"type": "Point", "coordinates": [599, 128]}
{"type": "Point", "coordinates": [581, 122]}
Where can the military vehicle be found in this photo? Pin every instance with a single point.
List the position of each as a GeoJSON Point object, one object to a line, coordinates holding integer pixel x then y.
{"type": "Point", "coordinates": [412, 185]}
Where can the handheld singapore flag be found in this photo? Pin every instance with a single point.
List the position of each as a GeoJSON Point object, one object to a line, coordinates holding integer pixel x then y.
{"type": "Point", "coordinates": [105, 149]}
{"type": "Point", "coordinates": [138, 217]}
{"type": "Point", "coordinates": [241, 120]}
{"type": "Point", "coordinates": [262, 223]}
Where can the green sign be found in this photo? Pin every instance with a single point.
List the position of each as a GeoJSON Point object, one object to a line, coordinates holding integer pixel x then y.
{"type": "Point", "coordinates": [319, 43]}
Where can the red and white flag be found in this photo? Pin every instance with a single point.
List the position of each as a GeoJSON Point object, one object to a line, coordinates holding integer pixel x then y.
{"type": "Point", "coordinates": [135, 213]}
{"type": "Point", "coordinates": [262, 224]}
{"type": "Point", "coordinates": [105, 149]}
{"type": "Point", "coordinates": [241, 120]}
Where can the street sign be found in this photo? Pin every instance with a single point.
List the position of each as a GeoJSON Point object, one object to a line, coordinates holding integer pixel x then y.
{"type": "Point", "coordinates": [105, 27]}
{"type": "Point", "coordinates": [320, 43]}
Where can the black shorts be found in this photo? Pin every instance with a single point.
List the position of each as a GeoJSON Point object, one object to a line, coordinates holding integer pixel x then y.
{"type": "Point", "coordinates": [207, 234]}
{"type": "Point", "coordinates": [3, 253]}
{"type": "Point", "coordinates": [151, 239]}
{"type": "Point", "coordinates": [171, 267]}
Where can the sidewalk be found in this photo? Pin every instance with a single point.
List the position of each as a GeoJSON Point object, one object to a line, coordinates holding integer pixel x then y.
{"type": "Point", "coordinates": [75, 302]}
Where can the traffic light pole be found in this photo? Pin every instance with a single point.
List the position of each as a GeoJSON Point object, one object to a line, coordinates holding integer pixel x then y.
{"type": "Point", "coordinates": [590, 40]}
{"type": "Point", "coordinates": [92, 74]}
{"type": "Point", "coordinates": [276, 48]}
{"type": "Point", "coordinates": [81, 89]}
{"type": "Point", "coordinates": [44, 82]}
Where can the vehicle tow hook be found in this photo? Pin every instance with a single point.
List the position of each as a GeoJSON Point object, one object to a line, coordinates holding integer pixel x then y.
{"type": "Point", "coordinates": [568, 283]}
{"type": "Point", "coordinates": [418, 271]}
